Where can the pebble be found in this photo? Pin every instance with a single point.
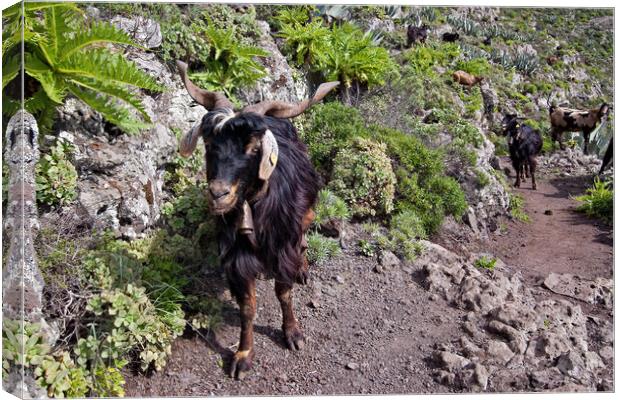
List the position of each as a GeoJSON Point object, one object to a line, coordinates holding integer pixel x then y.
{"type": "Point", "coordinates": [353, 366]}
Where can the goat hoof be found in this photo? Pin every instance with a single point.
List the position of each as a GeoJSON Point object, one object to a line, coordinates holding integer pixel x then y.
{"type": "Point", "coordinates": [294, 337]}
{"type": "Point", "coordinates": [534, 187]}
{"type": "Point", "coordinates": [241, 364]}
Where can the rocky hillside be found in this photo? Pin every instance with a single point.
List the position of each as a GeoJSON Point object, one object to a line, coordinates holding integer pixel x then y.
{"type": "Point", "coordinates": [411, 167]}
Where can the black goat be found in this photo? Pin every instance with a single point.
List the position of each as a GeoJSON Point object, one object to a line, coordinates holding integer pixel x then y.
{"type": "Point", "coordinates": [609, 153]}
{"type": "Point", "coordinates": [450, 37]}
{"type": "Point", "coordinates": [263, 186]}
{"type": "Point", "coordinates": [524, 144]}
{"type": "Point", "coordinates": [416, 34]}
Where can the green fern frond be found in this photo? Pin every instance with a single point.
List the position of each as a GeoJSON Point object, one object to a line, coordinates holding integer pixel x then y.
{"type": "Point", "coordinates": [97, 33]}
{"type": "Point", "coordinates": [100, 64]}
{"type": "Point", "coordinates": [113, 91]}
{"type": "Point", "coordinates": [109, 108]}
{"type": "Point", "coordinates": [43, 107]}
{"type": "Point", "coordinates": [10, 69]}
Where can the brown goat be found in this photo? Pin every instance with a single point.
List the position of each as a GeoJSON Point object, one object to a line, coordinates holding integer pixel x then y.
{"type": "Point", "coordinates": [466, 79]}
{"type": "Point", "coordinates": [569, 120]}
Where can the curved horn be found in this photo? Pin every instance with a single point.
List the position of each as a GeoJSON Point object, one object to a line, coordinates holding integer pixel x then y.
{"type": "Point", "coordinates": [208, 100]}
{"type": "Point", "coordinates": [190, 140]}
{"type": "Point", "coordinates": [281, 109]}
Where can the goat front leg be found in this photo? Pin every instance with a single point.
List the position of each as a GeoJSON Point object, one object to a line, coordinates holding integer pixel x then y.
{"type": "Point", "coordinates": [242, 360]}
{"type": "Point", "coordinates": [586, 141]}
{"type": "Point", "coordinates": [293, 335]}
{"type": "Point", "coordinates": [532, 163]}
{"type": "Point", "coordinates": [517, 166]}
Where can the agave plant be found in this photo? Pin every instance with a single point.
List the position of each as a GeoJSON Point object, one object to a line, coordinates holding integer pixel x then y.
{"type": "Point", "coordinates": [64, 54]}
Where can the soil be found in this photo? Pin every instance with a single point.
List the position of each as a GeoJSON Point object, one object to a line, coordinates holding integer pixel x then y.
{"type": "Point", "coordinates": [373, 332]}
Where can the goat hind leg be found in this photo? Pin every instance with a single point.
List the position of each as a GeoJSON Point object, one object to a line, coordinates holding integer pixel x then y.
{"type": "Point", "coordinates": [242, 360]}
{"type": "Point", "coordinates": [293, 335]}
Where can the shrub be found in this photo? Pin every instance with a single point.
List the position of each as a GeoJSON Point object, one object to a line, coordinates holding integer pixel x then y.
{"type": "Point", "coordinates": [410, 153]}
{"type": "Point", "coordinates": [363, 177]}
{"type": "Point", "coordinates": [452, 196]}
{"type": "Point", "coordinates": [64, 54]}
{"type": "Point", "coordinates": [56, 177]}
{"type": "Point", "coordinates": [422, 186]}
{"type": "Point", "coordinates": [321, 248]}
{"type": "Point", "coordinates": [367, 249]}
{"type": "Point", "coordinates": [330, 127]}
{"type": "Point", "coordinates": [406, 227]}
{"type": "Point", "coordinates": [485, 263]}
{"type": "Point", "coordinates": [330, 207]}
{"type": "Point", "coordinates": [475, 66]}
{"type": "Point", "coordinates": [598, 201]}
{"type": "Point", "coordinates": [517, 204]}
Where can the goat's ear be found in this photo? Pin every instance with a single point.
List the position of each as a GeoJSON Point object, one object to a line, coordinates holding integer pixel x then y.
{"type": "Point", "coordinates": [190, 140]}
{"type": "Point", "coordinates": [604, 109]}
{"type": "Point", "coordinates": [269, 157]}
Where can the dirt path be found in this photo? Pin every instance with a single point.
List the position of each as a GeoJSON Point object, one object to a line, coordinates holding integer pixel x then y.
{"type": "Point", "coordinates": [366, 332]}
{"type": "Point", "coordinates": [370, 332]}
{"type": "Point", "coordinates": [564, 242]}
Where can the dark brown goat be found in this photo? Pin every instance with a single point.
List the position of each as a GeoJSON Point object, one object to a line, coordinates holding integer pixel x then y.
{"type": "Point", "coordinates": [416, 34]}
{"type": "Point", "coordinates": [569, 120]}
{"type": "Point", "coordinates": [450, 37]}
{"type": "Point", "coordinates": [524, 144]}
{"type": "Point", "coordinates": [262, 186]}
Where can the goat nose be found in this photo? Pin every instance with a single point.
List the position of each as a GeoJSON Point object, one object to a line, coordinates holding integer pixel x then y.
{"type": "Point", "coordinates": [219, 192]}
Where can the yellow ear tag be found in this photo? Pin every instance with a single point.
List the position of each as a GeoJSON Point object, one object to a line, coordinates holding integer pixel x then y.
{"type": "Point", "coordinates": [273, 158]}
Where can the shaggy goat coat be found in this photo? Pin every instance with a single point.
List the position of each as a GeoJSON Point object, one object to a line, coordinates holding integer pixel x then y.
{"type": "Point", "coordinates": [278, 213]}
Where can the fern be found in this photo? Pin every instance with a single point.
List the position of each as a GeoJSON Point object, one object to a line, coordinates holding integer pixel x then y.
{"type": "Point", "coordinates": [230, 64]}
{"type": "Point", "coordinates": [64, 54]}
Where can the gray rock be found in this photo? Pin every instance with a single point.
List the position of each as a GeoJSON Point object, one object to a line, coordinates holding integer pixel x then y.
{"type": "Point", "coordinates": [571, 364]}
{"type": "Point", "coordinates": [352, 366]}
{"type": "Point", "coordinates": [481, 376]}
{"type": "Point", "coordinates": [499, 351]}
{"type": "Point", "coordinates": [388, 259]}
{"type": "Point", "coordinates": [146, 32]}
{"type": "Point", "coordinates": [450, 361]}
{"type": "Point", "coordinates": [597, 291]}
{"type": "Point", "coordinates": [282, 82]}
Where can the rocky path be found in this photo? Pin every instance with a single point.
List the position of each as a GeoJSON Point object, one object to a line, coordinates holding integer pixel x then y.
{"type": "Point", "coordinates": [367, 332]}
{"type": "Point", "coordinates": [435, 326]}
{"type": "Point", "coordinates": [557, 239]}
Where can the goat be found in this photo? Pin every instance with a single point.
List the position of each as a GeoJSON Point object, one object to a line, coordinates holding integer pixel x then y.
{"type": "Point", "coordinates": [524, 144]}
{"type": "Point", "coordinates": [415, 34]}
{"type": "Point", "coordinates": [466, 79]}
{"type": "Point", "coordinates": [262, 186]}
{"type": "Point", "coordinates": [551, 60]}
{"type": "Point", "coordinates": [609, 153]}
{"type": "Point", "coordinates": [450, 37]}
{"type": "Point", "coordinates": [569, 120]}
